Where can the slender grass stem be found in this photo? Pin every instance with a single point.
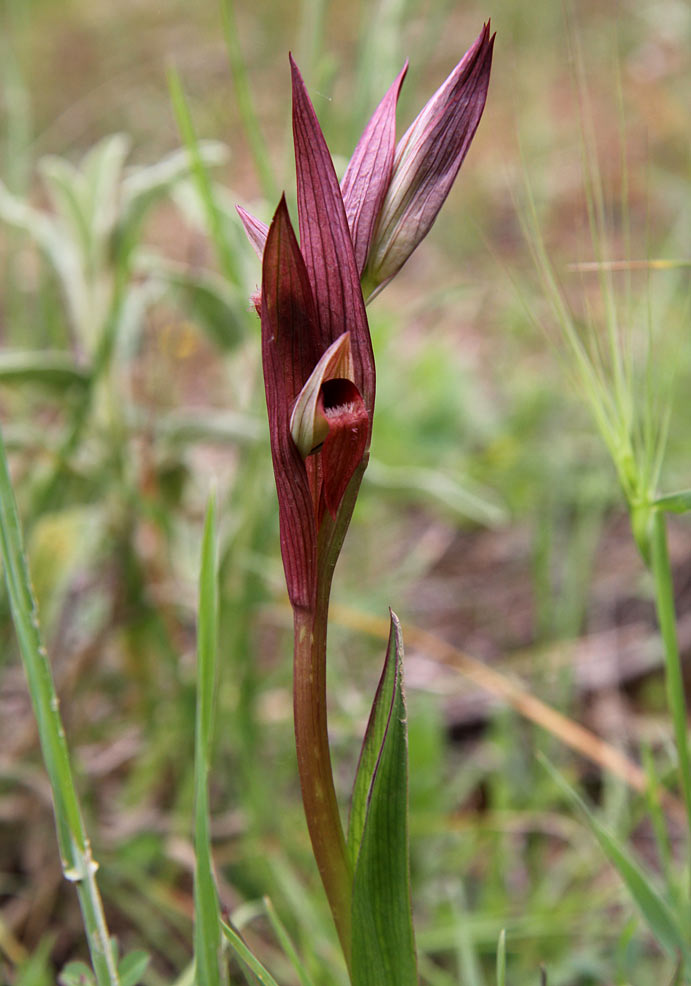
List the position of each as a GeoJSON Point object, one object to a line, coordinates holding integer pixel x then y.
{"type": "Point", "coordinates": [210, 967]}
{"type": "Point", "coordinates": [78, 864]}
{"type": "Point", "coordinates": [314, 767]}
{"type": "Point", "coordinates": [664, 602]}
{"type": "Point", "coordinates": [243, 96]}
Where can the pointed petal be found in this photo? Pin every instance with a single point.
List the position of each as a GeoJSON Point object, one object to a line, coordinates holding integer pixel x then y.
{"type": "Point", "coordinates": [368, 173]}
{"type": "Point", "coordinates": [345, 444]}
{"type": "Point", "coordinates": [255, 229]}
{"type": "Point", "coordinates": [427, 160]}
{"type": "Point", "coordinates": [289, 352]}
{"type": "Point", "coordinates": [326, 244]}
{"type": "Point", "coordinates": [308, 425]}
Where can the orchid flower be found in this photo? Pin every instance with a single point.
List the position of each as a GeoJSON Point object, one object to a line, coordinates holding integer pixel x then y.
{"type": "Point", "coordinates": [319, 380]}
{"type": "Point", "coordinates": [392, 192]}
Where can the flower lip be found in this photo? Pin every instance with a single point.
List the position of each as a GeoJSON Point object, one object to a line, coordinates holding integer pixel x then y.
{"type": "Point", "coordinates": [308, 426]}
{"type": "Point", "coordinates": [344, 446]}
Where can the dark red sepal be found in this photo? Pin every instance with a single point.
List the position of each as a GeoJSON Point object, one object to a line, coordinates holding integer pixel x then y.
{"type": "Point", "coordinates": [290, 350]}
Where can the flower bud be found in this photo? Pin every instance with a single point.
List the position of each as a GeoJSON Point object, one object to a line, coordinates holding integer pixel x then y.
{"type": "Point", "coordinates": [426, 163]}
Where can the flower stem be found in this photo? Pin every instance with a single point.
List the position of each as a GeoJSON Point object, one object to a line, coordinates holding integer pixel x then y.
{"type": "Point", "coordinates": [314, 766]}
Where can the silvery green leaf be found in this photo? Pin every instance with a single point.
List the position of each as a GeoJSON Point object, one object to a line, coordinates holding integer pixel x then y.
{"type": "Point", "coordinates": [49, 369]}
{"type": "Point", "coordinates": [65, 187]}
{"type": "Point", "coordinates": [60, 251]}
{"type": "Point", "coordinates": [141, 182]}
{"type": "Point", "coordinates": [102, 168]}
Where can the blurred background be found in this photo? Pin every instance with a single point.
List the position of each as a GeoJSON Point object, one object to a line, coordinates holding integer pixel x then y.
{"type": "Point", "coordinates": [490, 515]}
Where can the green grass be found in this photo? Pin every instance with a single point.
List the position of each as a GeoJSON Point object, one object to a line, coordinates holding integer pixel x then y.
{"type": "Point", "coordinates": [492, 513]}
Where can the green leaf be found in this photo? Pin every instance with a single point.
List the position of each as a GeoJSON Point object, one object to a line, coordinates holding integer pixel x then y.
{"type": "Point", "coordinates": [65, 186]}
{"type": "Point", "coordinates": [144, 184]}
{"type": "Point", "coordinates": [142, 187]}
{"type": "Point", "coordinates": [210, 969]}
{"type": "Point", "coordinates": [674, 503]}
{"type": "Point", "coordinates": [49, 369]}
{"type": "Point", "coordinates": [37, 969]}
{"type": "Point", "coordinates": [60, 251]}
{"type": "Point", "coordinates": [657, 913]}
{"type": "Point", "coordinates": [369, 755]}
{"type": "Point", "coordinates": [76, 974]}
{"type": "Point", "coordinates": [383, 950]}
{"type": "Point", "coordinates": [132, 967]}
{"type": "Point", "coordinates": [102, 170]}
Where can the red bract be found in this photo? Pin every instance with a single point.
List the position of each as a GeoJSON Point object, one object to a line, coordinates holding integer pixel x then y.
{"type": "Point", "coordinates": [311, 298]}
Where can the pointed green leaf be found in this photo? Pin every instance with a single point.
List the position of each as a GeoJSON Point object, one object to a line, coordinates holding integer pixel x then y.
{"type": "Point", "coordinates": [76, 974]}
{"type": "Point", "coordinates": [674, 503]}
{"type": "Point", "coordinates": [102, 169]}
{"type": "Point", "coordinates": [132, 968]}
{"type": "Point", "coordinates": [657, 913]}
{"type": "Point", "coordinates": [369, 755]}
{"type": "Point", "coordinates": [383, 952]}
{"type": "Point", "coordinates": [49, 369]}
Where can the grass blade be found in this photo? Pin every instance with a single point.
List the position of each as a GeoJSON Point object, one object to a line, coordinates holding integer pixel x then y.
{"type": "Point", "coordinates": [205, 187]}
{"type": "Point", "coordinates": [247, 957]}
{"type": "Point", "coordinates": [286, 944]}
{"type": "Point", "coordinates": [501, 959]}
{"type": "Point", "coordinates": [210, 969]}
{"type": "Point", "coordinates": [78, 864]}
{"type": "Point", "coordinates": [657, 913]}
{"type": "Point", "coordinates": [243, 97]}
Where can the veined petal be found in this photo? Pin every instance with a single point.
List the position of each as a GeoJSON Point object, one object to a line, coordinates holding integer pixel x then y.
{"type": "Point", "coordinates": [427, 161]}
{"type": "Point", "coordinates": [290, 350]}
{"type": "Point", "coordinates": [308, 424]}
{"type": "Point", "coordinates": [368, 173]}
{"type": "Point", "coordinates": [345, 444]}
{"type": "Point", "coordinates": [255, 229]}
{"type": "Point", "coordinates": [326, 244]}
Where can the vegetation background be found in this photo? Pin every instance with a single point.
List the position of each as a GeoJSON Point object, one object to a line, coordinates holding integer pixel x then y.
{"type": "Point", "coordinates": [490, 516]}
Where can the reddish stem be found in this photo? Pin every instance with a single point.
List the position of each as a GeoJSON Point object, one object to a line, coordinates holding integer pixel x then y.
{"type": "Point", "coordinates": [314, 766]}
